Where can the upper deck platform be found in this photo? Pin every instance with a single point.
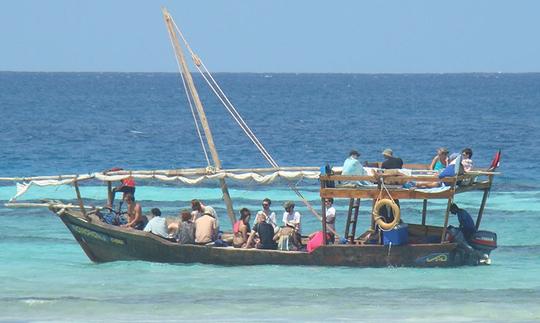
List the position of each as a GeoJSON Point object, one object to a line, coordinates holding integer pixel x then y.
{"type": "Point", "coordinates": [390, 182]}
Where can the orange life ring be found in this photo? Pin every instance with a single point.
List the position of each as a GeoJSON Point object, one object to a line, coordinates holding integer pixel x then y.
{"type": "Point", "coordinates": [379, 220]}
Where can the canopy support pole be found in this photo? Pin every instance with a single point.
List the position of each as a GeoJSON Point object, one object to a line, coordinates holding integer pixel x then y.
{"type": "Point", "coordinates": [200, 110]}
{"type": "Point", "coordinates": [483, 204]}
{"type": "Point", "coordinates": [79, 199]}
{"type": "Point", "coordinates": [323, 214]}
{"type": "Point", "coordinates": [424, 212]}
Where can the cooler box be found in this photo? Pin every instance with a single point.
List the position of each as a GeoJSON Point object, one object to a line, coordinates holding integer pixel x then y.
{"type": "Point", "coordinates": [397, 236]}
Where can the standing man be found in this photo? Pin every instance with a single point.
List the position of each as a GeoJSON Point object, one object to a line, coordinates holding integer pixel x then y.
{"type": "Point", "coordinates": [390, 161]}
{"type": "Point", "coordinates": [330, 218]}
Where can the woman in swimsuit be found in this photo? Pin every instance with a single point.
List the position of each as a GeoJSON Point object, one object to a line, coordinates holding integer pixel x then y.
{"type": "Point", "coordinates": [441, 160]}
{"type": "Point", "coordinates": [241, 229]}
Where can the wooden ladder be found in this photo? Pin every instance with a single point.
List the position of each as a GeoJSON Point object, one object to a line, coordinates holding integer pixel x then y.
{"type": "Point", "coordinates": [352, 219]}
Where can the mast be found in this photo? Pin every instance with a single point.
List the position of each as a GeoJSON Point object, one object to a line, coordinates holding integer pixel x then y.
{"type": "Point", "coordinates": [200, 110]}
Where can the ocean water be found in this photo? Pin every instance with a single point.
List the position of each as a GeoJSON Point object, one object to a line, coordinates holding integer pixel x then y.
{"type": "Point", "coordinates": [68, 123]}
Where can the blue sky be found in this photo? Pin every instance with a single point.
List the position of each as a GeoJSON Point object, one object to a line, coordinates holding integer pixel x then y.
{"type": "Point", "coordinates": [274, 36]}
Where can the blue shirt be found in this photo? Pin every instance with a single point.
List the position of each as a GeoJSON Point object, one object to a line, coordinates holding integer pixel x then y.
{"type": "Point", "coordinates": [466, 223]}
{"type": "Point", "coordinates": [352, 167]}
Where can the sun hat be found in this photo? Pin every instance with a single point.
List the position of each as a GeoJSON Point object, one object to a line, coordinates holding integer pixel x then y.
{"type": "Point", "coordinates": [388, 152]}
{"type": "Point", "coordinates": [288, 204]}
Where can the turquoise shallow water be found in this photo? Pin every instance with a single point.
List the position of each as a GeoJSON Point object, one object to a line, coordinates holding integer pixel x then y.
{"type": "Point", "coordinates": [45, 276]}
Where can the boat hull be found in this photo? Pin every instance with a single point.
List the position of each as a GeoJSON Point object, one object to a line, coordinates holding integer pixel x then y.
{"type": "Point", "coordinates": [105, 243]}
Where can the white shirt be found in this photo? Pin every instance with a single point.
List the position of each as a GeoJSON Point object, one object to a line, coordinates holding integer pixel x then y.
{"type": "Point", "coordinates": [331, 218]}
{"type": "Point", "coordinates": [270, 218]}
{"type": "Point", "coordinates": [158, 226]}
{"type": "Point", "coordinates": [293, 219]}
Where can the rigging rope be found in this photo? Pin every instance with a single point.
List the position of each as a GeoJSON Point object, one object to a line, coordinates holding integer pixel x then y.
{"type": "Point", "coordinates": [237, 117]}
{"type": "Point", "coordinates": [225, 100]}
{"type": "Point", "coordinates": [193, 112]}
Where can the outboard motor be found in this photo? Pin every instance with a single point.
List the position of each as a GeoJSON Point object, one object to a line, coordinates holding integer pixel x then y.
{"type": "Point", "coordinates": [484, 241]}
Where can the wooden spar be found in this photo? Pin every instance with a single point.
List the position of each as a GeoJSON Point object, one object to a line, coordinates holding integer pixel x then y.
{"type": "Point", "coordinates": [424, 211]}
{"type": "Point", "coordinates": [323, 220]}
{"type": "Point", "coordinates": [200, 110]}
{"type": "Point", "coordinates": [447, 213]}
{"type": "Point", "coordinates": [109, 194]}
{"type": "Point", "coordinates": [483, 203]}
{"type": "Point", "coordinates": [79, 198]}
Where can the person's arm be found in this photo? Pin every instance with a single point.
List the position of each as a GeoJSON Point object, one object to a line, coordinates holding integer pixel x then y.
{"type": "Point", "coordinates": [243, 231]}
{"type": "Point", "coordinates": [284, 218]}
{"type": "Point", "coordinates": [251, 237]}
{"type": "Point", "coordinates": [433, 162]}
{"type": "Point", "coordinates": [277, 235]}
{"type": "Point", "coordinates": [297, 217]}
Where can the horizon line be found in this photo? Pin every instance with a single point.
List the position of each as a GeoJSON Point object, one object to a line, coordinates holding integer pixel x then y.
{"type": "Point", "coordinates": [266, 73]}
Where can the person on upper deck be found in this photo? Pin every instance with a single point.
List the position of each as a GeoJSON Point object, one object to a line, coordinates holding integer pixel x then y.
{"type": "Point", "coordinates": [466, 159]}
{"type": "Point", "coordinates": [440, 161]}
{"type": "Point", "coordinates": [290, 216]}
{"type": "Point", "coordinates": [352, 167]}
{"type": "Point", "coordinates": [241, 229]}
{"type": "Point", "coordinates": [157, 225]}
{"type": "Point", "coordinates": [390, 161]}
{"type": "Point", "coordinates": [134, 213]}
{"type": "Point", "coordinates": [186, 229]}
{"type": "Point", "coordinates": [206, 229]}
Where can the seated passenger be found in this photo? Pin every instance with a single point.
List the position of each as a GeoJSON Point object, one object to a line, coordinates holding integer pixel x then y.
{"type": "Point", "coordinates": [206, 229]}
{"type": "Point", "coordinates": [197, 208]}
{"type": "Point", "coordinates": [157, 225]}
{"type": "Point", "coordinates": [288, 239]}
{"type": "Point", "coordinates": [135, 218]}
{"type": "Point", "coordinates": [466, 161]}
{"type": "Point", "coordinates": [186, 229]}
{"type": "Point", "coordinates": [265, 232]}
{"type": "Point", "coordinates": [352, 167]}
{"type": "Point", "coordinates": [440, 161]}
{"type": "Point", "coordinates": [241, 229]}
{"type": "Point", "coordinates": [390, 161]}
{"type": "Point", "coordinates": [270, 216]}
{"type": "Point", "coordinates": [291, 217]}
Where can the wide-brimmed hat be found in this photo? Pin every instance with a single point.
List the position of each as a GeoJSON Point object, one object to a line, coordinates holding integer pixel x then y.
{"type": "Point", "coordinates": [388, 152]}
{"type": "Point", "coordinates": [288, 204]}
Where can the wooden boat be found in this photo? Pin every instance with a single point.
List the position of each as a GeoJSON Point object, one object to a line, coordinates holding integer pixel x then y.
{"type": "Point", "coordinates": [103, 242]}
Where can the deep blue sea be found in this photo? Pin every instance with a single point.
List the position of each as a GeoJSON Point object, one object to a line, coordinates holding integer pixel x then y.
{"type": "Point", "coordinates": [74, 123]}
